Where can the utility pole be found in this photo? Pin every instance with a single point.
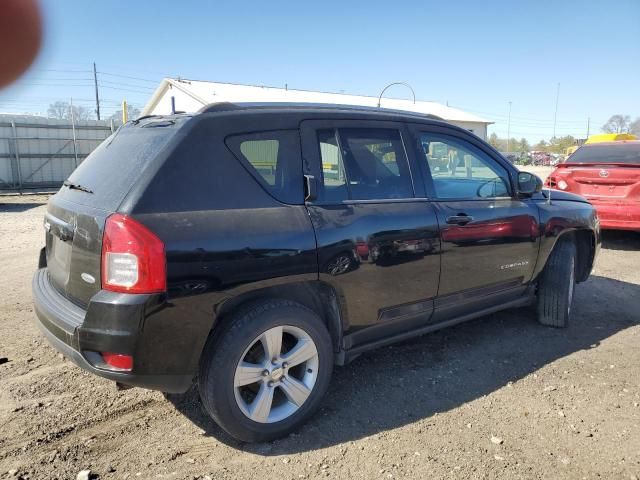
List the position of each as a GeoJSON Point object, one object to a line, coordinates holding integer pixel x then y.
{"type": "Point", "coordinates": [509, 130]}
{"type": "Point", "coordinates": [588, 125]}
{"type": "Point", "coordinates": [95, 83]}
{"type": "Point", "coordinates": [555, 115]}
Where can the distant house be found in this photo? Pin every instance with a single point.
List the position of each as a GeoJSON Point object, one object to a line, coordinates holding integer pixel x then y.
{"type": "Point", "coordinates": [191, 95]}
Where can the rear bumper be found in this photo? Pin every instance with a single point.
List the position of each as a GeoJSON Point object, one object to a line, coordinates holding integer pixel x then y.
{"type": "Point", "coordinates": [111, 323]}
{"type": "Point", "coordinates": [618, 216]}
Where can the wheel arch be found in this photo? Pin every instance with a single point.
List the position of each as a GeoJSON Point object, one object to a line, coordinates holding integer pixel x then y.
{"type": "Point", "coordinates": [585, 241]}
{"type": "Point", "coordinates": [586, 249]}
{"type": "Point", "coordinates": [318, 296]}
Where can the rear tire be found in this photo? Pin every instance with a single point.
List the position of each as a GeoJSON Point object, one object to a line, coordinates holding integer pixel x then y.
{"type": "Point", "coordinates": [254, 406]}
{"type": "Point", "coordinates": [557, 285]}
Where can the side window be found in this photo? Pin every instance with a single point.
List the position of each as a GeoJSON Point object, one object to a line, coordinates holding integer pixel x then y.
{"type": "Point", "coordinates": [363, 164]}
{"type": "Point", "coordinates": [274, 159]}
{"type": "Point", "coordinates": [333, 176]}
{"type": "Point", "coordinates": [461, 171]}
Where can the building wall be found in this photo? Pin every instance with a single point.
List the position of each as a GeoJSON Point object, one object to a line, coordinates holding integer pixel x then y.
{"type": "Point", "coordinates": [479, 129]}
{"type": "Point", "coordinates": [187, 103]}
{"type": "Point", "coordinates": [183, 102]}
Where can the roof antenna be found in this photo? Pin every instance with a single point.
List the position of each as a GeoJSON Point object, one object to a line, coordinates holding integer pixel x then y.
{"type": "Point", "coordinates": [549, 194]}
{"type": "Point", "coordinates": [396, 83]}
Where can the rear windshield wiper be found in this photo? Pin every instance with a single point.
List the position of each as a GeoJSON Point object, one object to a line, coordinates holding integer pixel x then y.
{"type": "Point", "coordinates": [137, 120]}
{"type": "Point", "coordinates": [75, 186]}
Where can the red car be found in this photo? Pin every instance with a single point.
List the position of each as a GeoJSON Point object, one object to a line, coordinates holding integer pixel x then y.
{"type": "Point", "coordinates": [608, 175]}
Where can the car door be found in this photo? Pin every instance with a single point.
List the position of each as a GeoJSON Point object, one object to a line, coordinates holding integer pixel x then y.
{"type": "Point", "coordinates": [378, 245]}
{"type": "Point", "coordinates": [489, 236]}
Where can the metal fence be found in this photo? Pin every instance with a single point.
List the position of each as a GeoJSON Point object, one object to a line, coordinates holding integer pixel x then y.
{"type": "Point", "coordinates": [40, 153]}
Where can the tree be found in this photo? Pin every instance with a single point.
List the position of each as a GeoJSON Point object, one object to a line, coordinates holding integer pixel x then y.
{"type": "Point", "coordinates": [132, 113]}
{"type": "Point", "coordinates": [541, 146]}
{"type": "Point", "coordinates": [617, 124]}
{"type": "Point", "coordinates": [514, 146]}
{"type": "Point", "coordinates": [62, 111]}
{"type": "Point", "coordinates": [58, 110]}
{"type": "Point", "coordinates": [494, 141]}
{"type": "Point", "coordinates": [634, 127]}
{"type": "Point", "coordinates": [523, 145]}
{"type": "Point", "coordinates": [560, 144]}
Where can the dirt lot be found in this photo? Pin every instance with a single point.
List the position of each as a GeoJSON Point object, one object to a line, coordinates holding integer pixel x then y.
{"type": "Point", "coordinates": [559, 403]}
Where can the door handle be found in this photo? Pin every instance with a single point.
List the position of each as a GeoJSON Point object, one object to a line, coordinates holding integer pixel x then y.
{"type": "Point", "coordinates": [460, 219]}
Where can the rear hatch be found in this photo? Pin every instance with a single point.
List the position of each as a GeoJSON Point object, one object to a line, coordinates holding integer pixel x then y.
{"type": "Point", "coordinates": [608, 173]}
{"type": "Point", "coordinates": [76, 215]}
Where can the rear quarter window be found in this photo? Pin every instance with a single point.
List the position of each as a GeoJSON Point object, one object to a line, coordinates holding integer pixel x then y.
{"type": "Point", "coordinates": [273, 159]}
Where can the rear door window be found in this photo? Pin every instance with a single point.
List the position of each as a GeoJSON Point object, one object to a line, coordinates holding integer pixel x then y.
{"type": "Point", "coordinates": [273, 158]}
{"type": "Point", "coordinates": [363, 164]}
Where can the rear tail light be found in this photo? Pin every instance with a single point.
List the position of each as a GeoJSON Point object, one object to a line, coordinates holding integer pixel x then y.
{"type": "Point", "coordinates": [117, 361]}
{"type": "Point", "coordinates": [133, 257]}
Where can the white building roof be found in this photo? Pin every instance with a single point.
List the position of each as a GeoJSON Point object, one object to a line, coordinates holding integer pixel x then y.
{"type": "Point", "coordinates": [212, 92]}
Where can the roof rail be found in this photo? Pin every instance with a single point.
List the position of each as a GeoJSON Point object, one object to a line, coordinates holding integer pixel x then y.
{"type": "Point", "coordinates": [228, 106]}
{"type": "Point", "coordinates": [219, 107]}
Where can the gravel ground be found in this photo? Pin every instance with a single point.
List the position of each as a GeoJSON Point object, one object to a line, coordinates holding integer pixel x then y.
{"type": "Point", "coordinates": [499, 397]}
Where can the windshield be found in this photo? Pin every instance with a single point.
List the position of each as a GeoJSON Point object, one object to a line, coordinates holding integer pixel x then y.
{"type": "Point", "coordinates": [623, 153]}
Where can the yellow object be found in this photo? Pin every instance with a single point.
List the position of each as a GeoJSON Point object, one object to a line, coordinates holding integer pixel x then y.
{"type": "Point", "coordinates": [610, 137]}
{"type": "Point", "coordinates": [570, 150]}
{"type": "Point", "coordinates": [125, 112]}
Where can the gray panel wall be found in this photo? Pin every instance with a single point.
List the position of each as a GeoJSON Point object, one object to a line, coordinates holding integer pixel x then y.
{"type": "Point", "coordinates": [40, 153]}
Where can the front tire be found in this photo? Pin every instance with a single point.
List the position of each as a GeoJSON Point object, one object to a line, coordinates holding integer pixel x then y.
{"type": "Point", "coordinates": [265, 374]}
{"type": "Point", "coordinates": [557, 285]}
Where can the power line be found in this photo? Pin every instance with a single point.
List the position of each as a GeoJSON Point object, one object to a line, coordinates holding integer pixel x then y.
{"type": "Point", "coordinates": [515, 117]}
{"type": "Point", "coordinates": [125, 89]}
{"type": "Point", "coordinates": [60, 71]}
{"type": "Point", "coordinates": [29, 84]}
{"type": "Point", "coordinates": [66, 79]}
{"type": "Point", "coordinates": [129, 77]}
{"type": "Point", "coordinates": [126, 85]}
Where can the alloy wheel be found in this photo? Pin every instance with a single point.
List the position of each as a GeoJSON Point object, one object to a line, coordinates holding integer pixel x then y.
{"type": "Point", "coordinates": [276, 374]}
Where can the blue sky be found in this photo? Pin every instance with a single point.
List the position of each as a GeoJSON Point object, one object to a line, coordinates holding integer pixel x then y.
{"type": "Point", "coordinates": [475, 55]}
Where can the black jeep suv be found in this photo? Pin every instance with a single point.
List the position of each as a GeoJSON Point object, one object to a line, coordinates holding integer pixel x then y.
{"type": "Point", "coordinates": [254, 246]}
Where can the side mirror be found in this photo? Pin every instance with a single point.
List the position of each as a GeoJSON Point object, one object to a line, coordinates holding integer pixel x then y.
{"type": "Point", "coordinates": [528, 183]}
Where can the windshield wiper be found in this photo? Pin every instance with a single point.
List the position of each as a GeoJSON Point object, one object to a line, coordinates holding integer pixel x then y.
{"type": "Point", "coordinates": [75, 186]}
{"type": "Point", "coordinates": [137, 120]}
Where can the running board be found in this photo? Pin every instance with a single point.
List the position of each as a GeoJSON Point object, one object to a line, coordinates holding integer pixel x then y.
{"type": "Point", "coordinates": [349, 355]}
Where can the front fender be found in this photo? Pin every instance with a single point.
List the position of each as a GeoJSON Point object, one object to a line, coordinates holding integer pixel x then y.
{"type": "Point", "coordinates": [560, 218]}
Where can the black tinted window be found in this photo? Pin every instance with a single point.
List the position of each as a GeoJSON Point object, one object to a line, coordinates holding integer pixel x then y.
{"type": "Point", "coordinates": [273, 158]}
{"type": "Point", "coordinates": [622, 153]}
{"type": "Point", "coordinates": [363, 164]}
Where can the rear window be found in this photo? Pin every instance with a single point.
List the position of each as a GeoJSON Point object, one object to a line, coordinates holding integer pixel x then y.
{"type": "Point", "coordinates": [363, 164]}
{"type": "Point", "coordinates": [117, 164]}
{"type": "Point", "coordinates": [273, 158]}
{"type": "Point", "coordinates": [622, 153]}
